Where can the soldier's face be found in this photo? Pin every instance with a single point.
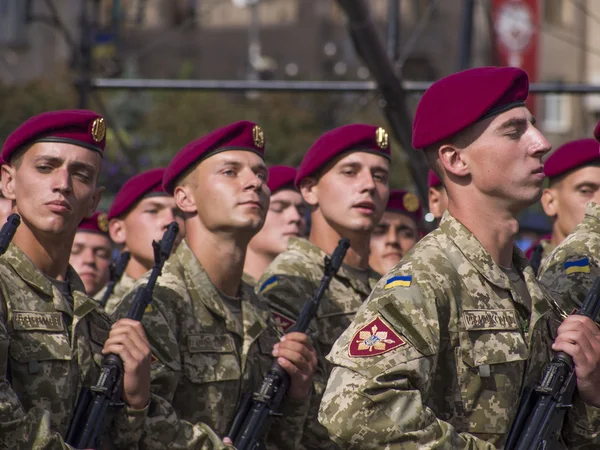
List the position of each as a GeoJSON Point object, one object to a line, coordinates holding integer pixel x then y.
{"type": "Point", "coordinates": [567, 199]}
{"type": "Point", "coordinates": [54, 186]}
{"type": "Point", "coordinates": [90, 257]}
{"type": "Point", "coordinates": [353, 192]}
{"type": "Point", "coordinates": [284, 220]}
{"type": "Point", "coordinates": [147, 222]}
{"type": "Point", "coordinates": [231, 193]}
{"type": "Point", "coordinates": [391, 239]}
{"type": "Point", "coordinates": [505, 159]}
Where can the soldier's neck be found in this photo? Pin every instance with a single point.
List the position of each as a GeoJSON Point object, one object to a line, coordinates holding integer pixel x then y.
{"type": "Point", "coordinates": [256, 263]}
{"type": "Point", "coordinates": [135, 268]}
{"type": "Point", "coordinates": [494, 228]}
{"type": "Point", "coordinates": [557, 235]}
{"type": "Point", "coordinates": [327, 238]}
{"type": "Point", "coordinates": [221, 255]}
{"type": "Point", "coordinates": [48, 253]}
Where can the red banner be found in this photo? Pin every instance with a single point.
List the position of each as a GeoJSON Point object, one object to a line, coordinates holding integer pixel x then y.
{"type": "Point", "coordinates": [516, 34]}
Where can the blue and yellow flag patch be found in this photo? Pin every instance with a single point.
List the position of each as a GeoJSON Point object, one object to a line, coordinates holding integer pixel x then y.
{"type": "Point", "coordinates": [268, 285]}
{"type": "Point", "coordinates": [396, 281]}
{"type": "Point", "coordinates": [580, 266]}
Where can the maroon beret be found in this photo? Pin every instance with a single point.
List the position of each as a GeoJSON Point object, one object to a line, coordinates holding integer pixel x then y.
{"type": "Point", "coordinates": [348, 138]}
{"type": "Point", "coordinates": [241, 135]}
{"type": "Point", "coordinates": [281, 177]}
{"type": "Point", "coordinates": [134, 190]}
{"type": "Point", "coordinates": [459, 100]}
{"type": "Point", "coordinates": [405, 202]}
{"type": "Point", "coordinates": [432, 179]}
{"type": "Point", "coordinates": [75, 126]}
{"type": "Point", "coordinates": [572, 155]}
{"type": "Point", "coordinates": [98, 223]}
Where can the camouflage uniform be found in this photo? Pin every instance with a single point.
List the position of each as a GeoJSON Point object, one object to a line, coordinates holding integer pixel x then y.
{"type": "Point", "coordinates": [292, 279]}
{"type": "Point", "coordinates": [205, 358]}
{"type": "Point", "coordinates": [248, 279]}
{"type": "Point", "coordinates": [439, 353]}
{"type": "Point", "coordinates": [122, 287]}
{"type": "Point", "coordinates": [49, 349]}
{"type": "Point", "coordinates": [569, 271]}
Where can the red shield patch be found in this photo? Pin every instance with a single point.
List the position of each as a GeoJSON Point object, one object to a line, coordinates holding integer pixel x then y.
{"type": "Point", "coordinates": [374, 339]}
{"type": "Point", "coordinates": [283, 323]}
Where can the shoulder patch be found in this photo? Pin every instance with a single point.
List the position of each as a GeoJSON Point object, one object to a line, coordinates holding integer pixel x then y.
{"type": "Point", "coordinates": [404, 281]}
{"type": "Point", "coordinates": [283, 323]}
{"type": "Point", "coordinates": [374, 339]}
{"type": "Point", "coordinates": [268, 285]}
{"type": "Point", "coordinates": [579, 266]}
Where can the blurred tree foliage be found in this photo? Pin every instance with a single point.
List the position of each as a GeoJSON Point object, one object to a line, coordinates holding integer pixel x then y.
{"type": "Point", "coordinates": [153, 126]}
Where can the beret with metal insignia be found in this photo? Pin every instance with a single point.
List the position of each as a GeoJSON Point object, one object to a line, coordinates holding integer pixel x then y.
{"type": "Point", "coordinates": [406, 203]}
{"type": "Point", "coordinates": [75, 126]}
{"type": "Point", "coordinates": [459, 100]}
{"type": "Point", "coordinates": [433, 180]}
{"type": "Point", "coordinates": [572, 155]}
{"type": "Point", "coordinates": [281, 177]}
{"type": "Point", "coordinates": [241, 135]}
{"type": "Point", "coordinates": [136, 188]}
{"type": "Point", "coordinates": [348, 138]}
{"type": "Point", "coordinates": [98, 223]}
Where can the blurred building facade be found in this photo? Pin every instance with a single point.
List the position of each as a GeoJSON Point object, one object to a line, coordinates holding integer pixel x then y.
{"type": "Point", "coordinates": [295, 39]}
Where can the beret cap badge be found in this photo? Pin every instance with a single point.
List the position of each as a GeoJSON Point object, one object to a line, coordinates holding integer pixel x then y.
{"type": "Point", "coordinates": [103, 222]}
{"type": "Point", "coordinates": [410, 202]}
{"type": "Point", "coordinates": [258, 136]}
{"type": "Point", "coordinates": [382, 138]}
{"type": "Point", "coordinates": [98, 129]}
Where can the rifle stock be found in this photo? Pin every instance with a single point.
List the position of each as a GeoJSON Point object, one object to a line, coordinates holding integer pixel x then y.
{"type": "Point", "coordinates": [252, 419]}
{"type": "Point", "coordinates": [8, 231]}
{"type": "Point", "coordinates": [539, 420]}
{"type": "Point", "coordinates": [88, 423]}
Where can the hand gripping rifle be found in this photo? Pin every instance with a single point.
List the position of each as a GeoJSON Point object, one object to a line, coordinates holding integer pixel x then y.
{"type": "Point", "coordinates": [252, 419]}
{"type": "Point", "coordinates": [87, 426]}
{"type": "Point", "coordinates": [8, 231]}
{"type": "Point", "coordinates": [540, 417]}
{"type": "Point", "coordinates": [116, 273]}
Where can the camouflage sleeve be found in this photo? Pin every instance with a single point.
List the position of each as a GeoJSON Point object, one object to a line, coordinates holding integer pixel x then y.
{"type": "Point", "coordinates": [582, 426]}
{"type": "Point", "coordinates": [385, 371]}
{"type": "Point", "coordinates": [20, 429]}
{"type": "Point", "coordinates": [286, 431]}
{"type": "Point", "coordinates": [568, 285]}
{"type": "Point", "coordinates": [285, 294]}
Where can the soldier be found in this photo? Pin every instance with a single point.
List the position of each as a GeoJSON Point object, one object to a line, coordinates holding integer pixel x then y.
{"type": "Point", "coordinates": [213, 339]}
{"type": "Point", "coordinates": [344, 179]}
{"type": "Point", "coordinates": [438, 198]}
{"type": "Point", "coordinates": [397, 231]}
{"type": "Point", "coordinates": [574, 179]}
{"type": "Point", "coordinates": [570, 269]}
{"type": "Point", "coordinates": [51, 333]}
{"type": "Point", "coordinates": [285, 219]}
{"type": "Point", "coordinates": [139, 214]}
{"type": "Point", "coordinates": [440, 352]}
{"type": "Point", "coordinates": [91, 253]}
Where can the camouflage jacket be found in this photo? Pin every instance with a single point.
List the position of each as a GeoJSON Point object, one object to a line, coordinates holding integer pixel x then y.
{"type": "Point", "coordinates": [439, 353]}
{"type": "Point", "coordinates": [124, 285]}
{"type": "Point", "coordinates": [50, 348]}
{"type": "Point", "coordinates": [205, 359]}
{"type": "Point", "coordinates": [292, 279]}
{"type": "Point", "coordinates": [569, 271]}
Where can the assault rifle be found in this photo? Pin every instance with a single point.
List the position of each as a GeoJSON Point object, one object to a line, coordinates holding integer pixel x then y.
{"type": "Point", "coordinates": [87, 427]}
{"type": "Point", "coordinates": [116, 273]}
{"type": "Point", "coordinates": [541, 414]}
{"type": "Point", "coordinates": [252, 419]}
{"type": "Point", "coordinates": [8, 231]}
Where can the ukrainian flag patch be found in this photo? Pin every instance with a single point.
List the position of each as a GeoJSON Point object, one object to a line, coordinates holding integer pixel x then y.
{"type": "Point", "coordinates": [580, 266]}
{"type": "Point", "coordinates": [396, 281]}
{"type": "Point", "coordinates": [268, 285]}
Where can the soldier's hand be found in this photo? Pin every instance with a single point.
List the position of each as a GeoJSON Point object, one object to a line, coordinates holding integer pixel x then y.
{"type": "Point", "coordinates": [297, 356]}
{"type": "Point", "coordinates": [128, 340]}
{"type": "Point", "coordinates": [579, 337]}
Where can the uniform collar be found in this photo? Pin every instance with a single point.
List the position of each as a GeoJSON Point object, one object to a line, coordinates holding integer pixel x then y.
{"type": "Point", "coordinates": [592, 216]}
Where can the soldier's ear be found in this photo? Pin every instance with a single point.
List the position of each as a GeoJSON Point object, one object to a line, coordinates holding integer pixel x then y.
{"type": "Point", "coordinates": [117, 231]}
{"type": "Point", "coordinates": [7, 173]}
{"type": "Point", "coordinates": [184, 199]}
{"type": "Point", "coordinates": [452, 158]}
{"type": "Point", "coordinates": [309, 189]}
{"type": "Point", "coordinates": [549, 202]}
